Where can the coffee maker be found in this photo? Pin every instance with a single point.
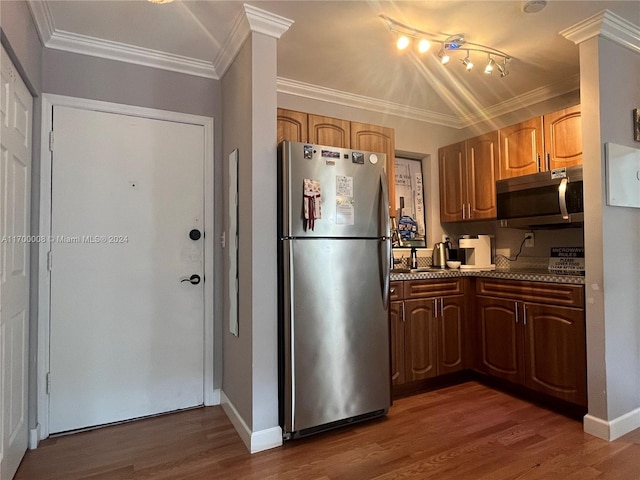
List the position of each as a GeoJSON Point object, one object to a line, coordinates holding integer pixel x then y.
{"type": "Point", "coordinates": [476, 252]}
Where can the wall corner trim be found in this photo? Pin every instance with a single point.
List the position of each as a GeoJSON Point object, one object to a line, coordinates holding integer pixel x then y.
{"type": "Point", "coordinates": [608, 25]}
{"type": "Point", "coordinates": [613, 429]}
{"type": "Point", "coordinates": [254, 441]}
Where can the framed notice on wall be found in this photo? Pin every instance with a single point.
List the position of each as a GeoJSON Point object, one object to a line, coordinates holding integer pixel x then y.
{"type": "Point", "coordinates": [410, 215]}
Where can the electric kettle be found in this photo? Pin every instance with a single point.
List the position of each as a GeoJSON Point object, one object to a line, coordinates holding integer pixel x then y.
{"type": "Point", "coordinates": [440, 255]}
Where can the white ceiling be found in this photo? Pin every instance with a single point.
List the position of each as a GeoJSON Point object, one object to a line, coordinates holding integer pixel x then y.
{"type": "Point", "coordinates": [341, 49]}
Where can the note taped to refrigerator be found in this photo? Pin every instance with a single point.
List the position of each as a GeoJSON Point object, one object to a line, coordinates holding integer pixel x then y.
{"type": "Point", "coordinates": [345, 214]}
{"type": "Point", "coordinates": [344, 186]}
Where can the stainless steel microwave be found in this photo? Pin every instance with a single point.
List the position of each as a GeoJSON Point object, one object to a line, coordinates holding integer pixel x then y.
{"type": "Point", "coordinates": [546, 199]}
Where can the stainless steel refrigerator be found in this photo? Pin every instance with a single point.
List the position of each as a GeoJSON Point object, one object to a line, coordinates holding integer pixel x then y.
{"type": "Point", "coordinates": [334, 251]}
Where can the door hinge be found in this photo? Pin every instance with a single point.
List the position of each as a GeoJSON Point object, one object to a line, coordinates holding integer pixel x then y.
{"type": "Point", "coordinates": [223, 239]}
{"type": "Point", "coordinates": [48, 381]}
{"type": "Point", "coordinates": [51, 141]}
{"type": "Point", "coordinates": [49, 260]}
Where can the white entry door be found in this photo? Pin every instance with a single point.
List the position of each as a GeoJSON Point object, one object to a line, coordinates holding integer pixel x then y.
{"type": "Point", "coordinates": [15, 193]}
{"type": "Point", "coordinates": [126, 333]}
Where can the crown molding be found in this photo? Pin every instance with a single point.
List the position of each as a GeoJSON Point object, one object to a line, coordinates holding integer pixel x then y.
{"type": "Point", "coordinates": [97, 47]}
{"type": "Point", "coordinates": [251, 19]}
{"type": "Point", "coordinates": [42, 18]}
{"type": "Point", "coordinates": [523, 100]}
{"type": "Point", "coordinates": [314, 92]}
{"type": "Point", "coordinates": [239, 33]}
{"type": "Point", "coordinates": [267, 23]}
{"type": "Point", "coordinates": [608, 25]}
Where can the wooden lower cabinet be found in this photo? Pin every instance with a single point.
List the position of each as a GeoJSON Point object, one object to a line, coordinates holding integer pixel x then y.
{"type": "Point", "coordinates": [420, 343]}
{"type": "Point", "coordinates": [555, 351]}
{"type": "Point", "coordinates": [451, 334]}
{"type": "Point", "coordinates": [427, 329]}
{"type": "Point", "coordinates": [535, 344]}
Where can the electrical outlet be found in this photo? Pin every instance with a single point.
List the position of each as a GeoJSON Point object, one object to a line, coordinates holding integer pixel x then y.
{"type": "Point", "coordinates": [529, 239]}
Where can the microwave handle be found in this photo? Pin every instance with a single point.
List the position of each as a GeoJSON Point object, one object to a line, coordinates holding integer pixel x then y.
{"type": "Point", "coordinates": [562, 197]}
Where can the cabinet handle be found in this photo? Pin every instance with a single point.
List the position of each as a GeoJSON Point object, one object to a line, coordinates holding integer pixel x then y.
{"type": "Point", "coordinates": [469, 210]}
{"type": "Point", "coordinates": [435, 307]}
{"type": "Point", "coordinates": [516, 311]}
{"type": "Point", "coordinates": [393, 290]}
{"type": "Point", "coordinates": [524, 314]}
{"type": "Point", "coordinates": [538, 162]}
{"type": "Point", "coordinates": [442, 307]}
{"type": "Point", "coordinates": [463, 211]}
{"type": "Point", "coordinates": [402, 312]}
{"type": "Point", "coordinates": [548, 162]}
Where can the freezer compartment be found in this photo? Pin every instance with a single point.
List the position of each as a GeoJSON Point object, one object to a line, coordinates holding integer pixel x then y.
{"type": "Point", "coordinates": [353, 191]}
{"type": "Point", "coordinates": [335, 363]}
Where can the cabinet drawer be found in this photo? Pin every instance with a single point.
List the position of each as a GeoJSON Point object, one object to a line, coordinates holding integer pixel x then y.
{"type": "Point", "coordinates": [395, 291]}
{"type": "Point", "coordinates": [535, 292]}
{"type": "Point", "coordinates": [433, 287]}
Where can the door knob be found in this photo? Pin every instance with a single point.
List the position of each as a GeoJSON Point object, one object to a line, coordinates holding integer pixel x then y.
{"type": "Point", "coordinates": [195, 234]}
{"type": "Point", "coordinates": [194, 279]}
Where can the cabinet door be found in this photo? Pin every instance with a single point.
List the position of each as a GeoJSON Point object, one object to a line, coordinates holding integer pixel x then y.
{"type": "Point", "coordinates": [563, 138]}
{"type": "Point", "coordinates": [329, 131]}
{"type": "Point", "coordinates": [451, 163]}
{"type": "Point", "coordinates": [555, 352]}
{"type": "Point", "coordinates": [420, 339]}
{"type": "Point", "coordinates": [520, 148]}
{"type": "Point", "coordinates": [374, 138]}
{"type": "Point", "coordinates": [397, 342]}
{"type": "Point", "coordinates": [499, 338]}
{"type": "Point", "coordinates": [451, 328]}
{"type": "Point", "coordinates": [292, 126]}
{"type": "Point", "coordinates": [481, 161]}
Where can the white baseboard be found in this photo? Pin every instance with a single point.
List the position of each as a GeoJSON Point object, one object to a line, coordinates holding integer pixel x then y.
{"type": "Point", "coordinates": [34, 437]}
{"type": "Point", "coordinates": [613, 429]}
{"type": "Point", "coordinates": [254, 441]}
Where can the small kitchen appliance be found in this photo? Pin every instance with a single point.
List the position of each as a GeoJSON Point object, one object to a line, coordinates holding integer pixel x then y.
{"type": "Point", "coordinates": [477, 253]}
{"type": "Point", "coordinates": [440, 255]}
{"type": "Point", "coordinates": [541, 200]}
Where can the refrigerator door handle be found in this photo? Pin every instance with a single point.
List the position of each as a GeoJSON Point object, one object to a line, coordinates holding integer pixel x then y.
{"type": "Point", "coordinates": [387, 253]}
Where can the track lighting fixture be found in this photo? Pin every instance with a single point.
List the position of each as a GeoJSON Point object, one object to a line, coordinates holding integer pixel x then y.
{"type": "Point", "coordinates": [443, 56]}
{"type": "Point", "coordinates": [467, 62]}
{"type": "Point", "coordinates": [489, 67]}
{"type": "Point", "coordinates": [449, 44]}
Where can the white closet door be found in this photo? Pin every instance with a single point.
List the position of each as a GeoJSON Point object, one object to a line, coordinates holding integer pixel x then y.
{"type": "Point", "coordinates": [16, 107]}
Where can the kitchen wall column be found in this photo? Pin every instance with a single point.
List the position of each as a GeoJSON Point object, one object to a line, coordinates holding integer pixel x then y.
{"type": "Point", "coordinates": [250, 365]}
{"type": "Point", "coordinates": [609, 78]}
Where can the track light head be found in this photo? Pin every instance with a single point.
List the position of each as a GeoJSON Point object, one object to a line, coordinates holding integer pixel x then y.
{"type": "Point", "coordinates": [466, 61]}
{"type": "Point", "coordinates": [403, 42]}
{"type": "Point", "coordinates": [489, 68]}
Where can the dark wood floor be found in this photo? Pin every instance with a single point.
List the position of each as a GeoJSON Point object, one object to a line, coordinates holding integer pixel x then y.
{"type": "Point", "coordinates": [467, 431]}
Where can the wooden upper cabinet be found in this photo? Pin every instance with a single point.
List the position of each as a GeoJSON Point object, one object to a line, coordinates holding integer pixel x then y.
{"type": "Point", "coordinates": [482, 158]}
{"type": "Point", "coordinates": [468, 179]}
{"type": "Point", "coordinates": [329, 131]}
{"type": "Point", "coordinates": [520, 148]}
{"type": "Point", "coordinates": [563, 138]}
{"type": "Point", "coordinates": [451, 163]}
{"type": "Point", "coordinates": [374, 138]}
{"type": "Point", "coordinates": [292, 126]}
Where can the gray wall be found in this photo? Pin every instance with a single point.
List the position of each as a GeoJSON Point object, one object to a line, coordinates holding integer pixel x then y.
{"type": "Point", "coordinates": [610, 76]}
{"type": "Point", "coordinates": [83, 76]}
{"type": "Point", "coordinates": [20, 39]}
{"type": "Point", "coordinates": [236, 121]}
